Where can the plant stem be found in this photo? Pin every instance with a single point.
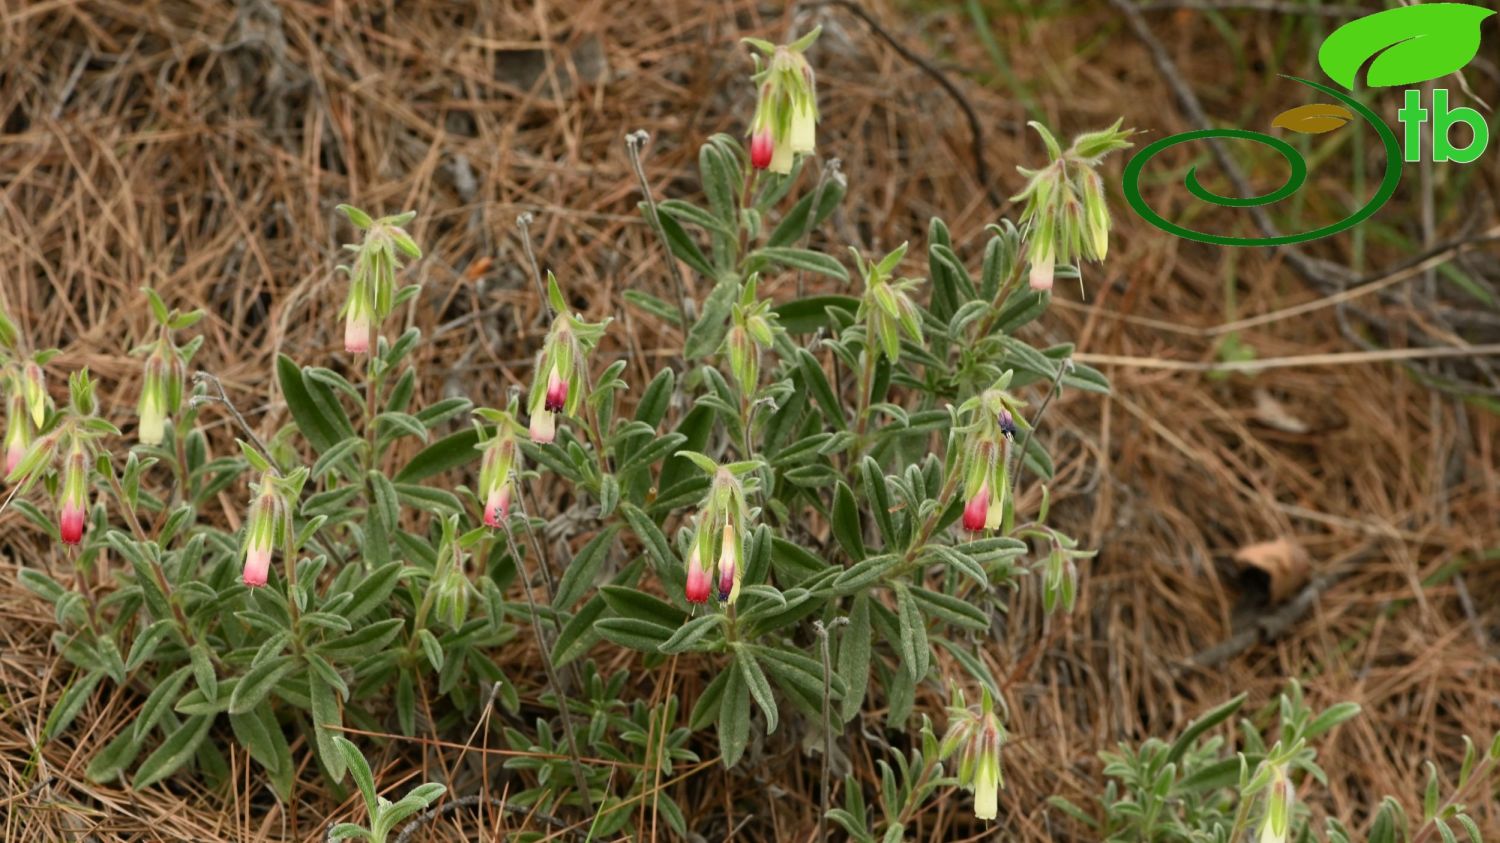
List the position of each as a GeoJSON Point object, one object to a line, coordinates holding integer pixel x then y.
{"type": "Point", "coordinates": [827, 725]}
{"type": "Point", "coordinates": [562, 700]}
{"type": "Point", "coordinates": [523, 222]}
{"type": "Point", "coordinates": [634, 142]}
{"type": "Point", "coordinates": [1063, 368]}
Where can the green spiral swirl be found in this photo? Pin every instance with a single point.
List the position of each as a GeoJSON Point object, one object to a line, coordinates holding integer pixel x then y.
{"type": "Point", "coordinates": [1294, 182]}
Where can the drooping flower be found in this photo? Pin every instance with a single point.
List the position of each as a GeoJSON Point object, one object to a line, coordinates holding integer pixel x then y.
{"type": "Point", "coordinates": [161, 393]}
{"type": "Point", "coordinates": [697, 578]}
{"type": "Point", "coordinates": [729, 565]}
{"type": "Point", "coordinates": [497, 470]}
{"type": "Point", "coordinates": [543, 426]}
{"type": "Point", "coordinates": [977, 736]}
{"type": "Point", "coordinates": [562, 366]}
{"type": "Point", "coordinates": [372, 279]}
{"type": "Point", "coordinates": [34, 393]}
{"type": "Point", "coordinates": [1281, 799]}
{"type": "Point", "coordinates": [786, 107]}
{"type": "Point", "coordinates": [1065, 215]}
{"type": "Point", "coordinates": [716, 557]}
{"type": "Point", "coordinates": [762, 147]}
{"type": "Point", "coordinates": [266, 522]}
{"type": "Point", "coordinates": [977, 510]}
{"type": "Point", "coordinates": [73, 502]}
{"type": "Point", "coordinates": [18, 434]}
{"type": "Point", "coordinates": [357, 326]}
{"type": "Point", "coordinates": [1043, 267]}
{"type": "Point", "coordinates": [557, 392]}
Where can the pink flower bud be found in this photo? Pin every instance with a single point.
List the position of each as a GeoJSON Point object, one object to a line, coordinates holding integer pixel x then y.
{"type": "Point", "coordinates": [557, 392]}
{"type": "Point", "coordinates": [761, 147]}
{"type": "Point", "coordinates": [977, 509]}
{"type": "Point", "coordinates": [257, 566]}
{"type": "Point", "coordinates": [356, 334]}
{"type": "Point", "coordinates": [71, 523]}
{"type": "Point", "coordinates": [497, 508]}
{"type": "Point", "coordinates": [697, 578]}
{"type": "Point", "coordinates": [543, 426]}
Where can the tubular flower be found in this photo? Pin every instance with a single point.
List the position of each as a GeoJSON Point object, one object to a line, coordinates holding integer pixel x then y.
{"type": "Point", "coordinates": [761, 149]}
{"type": "Point", "coordinates": [1281, 799]}
{"type": "Point", "coordinates": [267, 516]}
{"type": "Point", "coordinates": [977, 737]}
{"type": "Point", "coordinates": [977, 510]}
{"type": "Point", "coordinates": [786, 107]}
{"type": "Point", "coordinates": [74, 499]}
{"type": "Point", "coordinates": [1043, 267]}
{"type": "Point", "coordinates": [562, 367]}
{"type": "Point", "coordinates": [497, 471]}
{"type": "Point", "coordinates": [34, 393]}
{"type": "Point", "coordinates": [557, 392]}
{"type": "Point", "coordinates": [357, 324]}
{"type": "Point", "coordinates": [372, 279]}
{"type": "Point", "coordinates": [17, 432]}
{"type": "Point", "coordinates": [697, 578]}
{"type": "Point", "coordinates": [161, 393]}
{"type": "Point", "coordinates": [729, 565]}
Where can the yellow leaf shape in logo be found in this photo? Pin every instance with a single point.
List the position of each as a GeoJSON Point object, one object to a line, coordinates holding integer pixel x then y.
{"type": "Point", "coordinates": [1313, 118]}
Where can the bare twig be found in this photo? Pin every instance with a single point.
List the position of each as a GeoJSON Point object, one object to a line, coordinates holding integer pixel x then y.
{"type": "Point", "coordinates": [523, 222]}
{"type": "Point", "coordinates": [634, 143]}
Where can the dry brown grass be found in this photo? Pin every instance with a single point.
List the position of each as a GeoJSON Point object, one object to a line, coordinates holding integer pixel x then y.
{"type": "Point", "coordinates": [201, 148]}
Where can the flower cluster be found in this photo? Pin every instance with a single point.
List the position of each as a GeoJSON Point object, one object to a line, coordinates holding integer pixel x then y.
{"type": "Point", "coordinates": [164, 371]}
{"type": "Point", "coordinates": [786, 105]}
{"type": "Point", "coordinates": [562, 366]}
{"type": "Point", "coordinates": [720, 534]}
{"type": "Point", "coordinates": [66, 448]}
{"type": "Point", "coordinates": [450, 589]}
{"type": "Point", "coordinates": [752, 330]}
{"type": "Point", "coordinates": [977, 736]}
{"type": "Point", "coordinates": [372, 279]}
{"type": "Point", "coordinates": [990, 434]}
{"type": "Point", "coordinates": [887, 309]}
{"type": "Point", "coordinates": [1065, 212]}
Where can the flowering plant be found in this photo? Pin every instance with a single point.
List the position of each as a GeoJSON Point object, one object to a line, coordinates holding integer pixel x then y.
{"type": "Point", "coordinates": [815, 497]}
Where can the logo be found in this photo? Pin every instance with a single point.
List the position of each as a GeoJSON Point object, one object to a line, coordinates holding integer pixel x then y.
{"type": "Point", "coordinates": [1396, 48]}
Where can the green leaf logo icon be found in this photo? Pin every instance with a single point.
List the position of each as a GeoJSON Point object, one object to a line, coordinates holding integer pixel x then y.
{"type": "Point", "coordinates": [1410, 44]}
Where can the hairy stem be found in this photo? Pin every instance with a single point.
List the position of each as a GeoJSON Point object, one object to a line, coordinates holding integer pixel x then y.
{"type": "Point", "coordinates": [634, 142]}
